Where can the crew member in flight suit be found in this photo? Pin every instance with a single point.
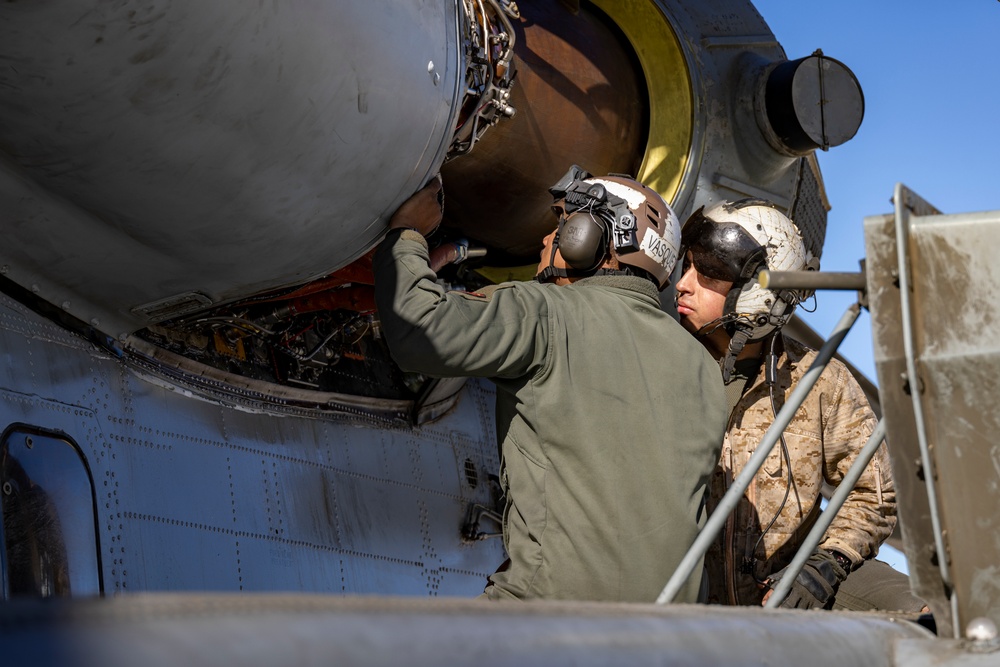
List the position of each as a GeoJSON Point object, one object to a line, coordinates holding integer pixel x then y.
{"type": "Point", "coordinates": [720, 301]}
{"type": "Point", "coordinates": [609, 415]}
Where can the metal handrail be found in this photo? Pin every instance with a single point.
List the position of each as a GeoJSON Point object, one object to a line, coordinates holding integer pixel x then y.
{"type": "Point", "coordinates": [732, 497]}
{"type": "Point", "coordinates": [812, 280]}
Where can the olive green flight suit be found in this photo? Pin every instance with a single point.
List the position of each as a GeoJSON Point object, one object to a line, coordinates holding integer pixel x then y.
{"type": "Point", "coordinates": [609, 418]}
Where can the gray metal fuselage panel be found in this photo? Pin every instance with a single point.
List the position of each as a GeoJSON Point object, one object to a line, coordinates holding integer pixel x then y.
{"type": "Point", "coordinates": [193, 495]}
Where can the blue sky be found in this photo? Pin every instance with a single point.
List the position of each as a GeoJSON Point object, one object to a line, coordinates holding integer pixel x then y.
{"type": "Point", "coordinates": [930, 72]}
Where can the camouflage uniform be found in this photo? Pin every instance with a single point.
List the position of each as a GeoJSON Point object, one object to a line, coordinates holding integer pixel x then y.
{"type": "Point", "coordinates": [823, 439]}
{"type": "Point", "coordinates": [609, 416]}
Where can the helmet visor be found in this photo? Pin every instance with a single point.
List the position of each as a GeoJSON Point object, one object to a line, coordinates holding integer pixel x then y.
{"type": "Point", "coordinates": [721, 250]}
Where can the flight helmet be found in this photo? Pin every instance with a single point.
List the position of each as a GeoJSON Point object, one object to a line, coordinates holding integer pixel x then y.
{"type": "Point", "coordinates": [735, 241]}
{"type": "Point", "coordinates": [612, 216]}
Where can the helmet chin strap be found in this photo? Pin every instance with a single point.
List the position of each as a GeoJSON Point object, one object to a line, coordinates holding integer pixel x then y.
{"type": "Point", "coordinates": [737, 341]}
{"type": "Point", "coordinates": [550, 272]}
{"type": "Point", "coordinates": [736, 345]}
{"type": "Point", "coordinates": [739, 336]}
{"type": "Point", "coordinates": [777, 318]}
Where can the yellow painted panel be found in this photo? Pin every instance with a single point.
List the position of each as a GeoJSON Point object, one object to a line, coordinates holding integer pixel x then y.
{"type": "Point", "coordinates": [669, 85]}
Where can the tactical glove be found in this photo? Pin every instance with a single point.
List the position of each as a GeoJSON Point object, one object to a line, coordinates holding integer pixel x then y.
{"type": "Point", "coordinates": [816, 584]}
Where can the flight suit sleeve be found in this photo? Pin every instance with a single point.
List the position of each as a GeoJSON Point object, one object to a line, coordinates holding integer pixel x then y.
{"type": "Point", "coordinates": [445, 334]}
{"type": "Point", "coordinates": [869, 513]}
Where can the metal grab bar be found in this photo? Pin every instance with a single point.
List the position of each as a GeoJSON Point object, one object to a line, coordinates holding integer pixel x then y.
{"type": "Point", "coordinates": [812, 280]}
{"type": "Point", "coordinates": [729, 501]}
{"type": "Point", "coordinates": [837, 500]}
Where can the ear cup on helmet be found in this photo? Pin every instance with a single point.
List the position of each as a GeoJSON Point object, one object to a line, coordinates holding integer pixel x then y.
{"type": "Point", "coordinates": [583, 240]}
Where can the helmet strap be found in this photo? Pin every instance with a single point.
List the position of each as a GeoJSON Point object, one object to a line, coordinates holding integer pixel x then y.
{"type": "Point", "coordinates": [747, 275]}
{"type": "Point", "coordinates": [729, 308]}
{"type": "Point", "coordinates": [614, 272]}
{"type": "Point", "coordinates": [736, 345]}
{"type": "Point", "coordinates": [550, 272]}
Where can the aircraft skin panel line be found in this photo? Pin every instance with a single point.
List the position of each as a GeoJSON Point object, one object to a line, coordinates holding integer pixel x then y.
{"type": "Point", "coordinates": [223, 499]}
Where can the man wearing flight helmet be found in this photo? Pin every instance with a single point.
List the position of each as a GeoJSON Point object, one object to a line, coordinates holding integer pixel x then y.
{"type": "Point", "coordinates": [739, 322]}
{"type": "Point", "coordinates": [603, 469]}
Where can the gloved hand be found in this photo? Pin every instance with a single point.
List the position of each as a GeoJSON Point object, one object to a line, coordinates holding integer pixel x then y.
{"type": "Point", "coordinates": [816, 584]}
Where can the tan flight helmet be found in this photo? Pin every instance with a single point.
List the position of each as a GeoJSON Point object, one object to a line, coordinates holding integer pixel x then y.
{"type": "Point", "coordinates": [612, 216]}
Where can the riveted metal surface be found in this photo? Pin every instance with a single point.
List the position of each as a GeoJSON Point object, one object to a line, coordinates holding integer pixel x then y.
{"type": "Point", "coordinates": [897, 411]}
{"type": "Point", "coordinates": [952, 276]}
{"type": "Point", "coordinates": [191, 494]}
{"type": "Point", "coordinates": [811, 206]}
{"type": "Point", "coordinates": [955, 278]}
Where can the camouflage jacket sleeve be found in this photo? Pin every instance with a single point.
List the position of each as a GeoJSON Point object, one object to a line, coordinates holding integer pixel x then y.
{"type": "Point", "coordinates": [869, 513]}
{"type": "Point", "coordinates": [440, 333]}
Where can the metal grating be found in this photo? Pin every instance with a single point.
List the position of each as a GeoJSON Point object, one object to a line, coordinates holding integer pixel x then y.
{"type": "Point", "coordinates": [810, 206]}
